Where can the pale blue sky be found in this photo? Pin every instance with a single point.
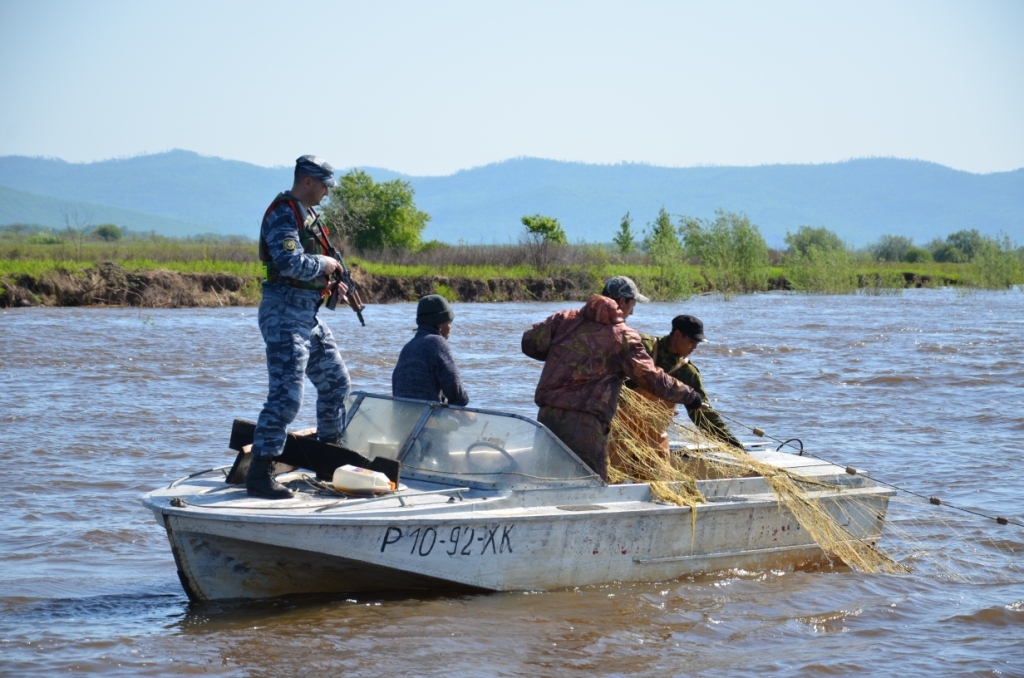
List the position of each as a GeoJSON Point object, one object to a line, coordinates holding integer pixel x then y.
{"type": "Point", "coordinates": [429, 88]}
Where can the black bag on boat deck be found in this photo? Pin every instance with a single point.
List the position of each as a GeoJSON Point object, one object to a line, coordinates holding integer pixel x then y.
{"type": "Point", "coordinates": [304, 452]}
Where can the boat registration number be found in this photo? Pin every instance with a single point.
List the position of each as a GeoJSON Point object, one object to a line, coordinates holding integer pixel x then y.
{"type": "Point", "coordinates": [452, 541]}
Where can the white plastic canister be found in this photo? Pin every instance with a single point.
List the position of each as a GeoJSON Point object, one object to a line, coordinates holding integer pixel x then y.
{"type": "Point", "coordinates": [349, 478]}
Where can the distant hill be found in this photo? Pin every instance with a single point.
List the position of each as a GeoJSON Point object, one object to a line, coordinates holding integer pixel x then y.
{"type": "Point", "coordinates": [27, 208]}
{"type": "Point", "coordinates": [858, 199]}
{"type": "Point", "coordinates": [221, 196]}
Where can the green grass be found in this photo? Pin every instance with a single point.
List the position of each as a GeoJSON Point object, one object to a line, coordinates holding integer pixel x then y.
{"type": "Point", "coordinates": [36, 267]}
{"type": "Point", "coordinates": [451, 271]}
{"type": "Point", "coordinates": [517, 271]}
{"type": "Point", "coordinates": [668, 283]}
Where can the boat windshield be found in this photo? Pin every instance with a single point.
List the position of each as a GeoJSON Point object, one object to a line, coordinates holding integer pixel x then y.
{"type": "Point", "coordinates": [467, 446]}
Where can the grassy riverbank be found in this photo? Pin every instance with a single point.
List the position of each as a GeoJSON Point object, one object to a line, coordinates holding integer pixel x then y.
{"type": "Point", "coordinates": [155, 271]}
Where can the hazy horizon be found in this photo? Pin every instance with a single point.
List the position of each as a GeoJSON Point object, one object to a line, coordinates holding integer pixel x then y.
{"type": "Point", "coordinates": [339, 169]}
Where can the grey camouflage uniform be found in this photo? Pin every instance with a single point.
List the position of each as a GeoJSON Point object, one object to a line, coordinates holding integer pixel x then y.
{"type": "Point", "coordinates": [298, 343]}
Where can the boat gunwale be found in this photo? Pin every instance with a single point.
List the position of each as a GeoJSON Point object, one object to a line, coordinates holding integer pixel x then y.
{"type": "Point", "coordinates": [443, 513]}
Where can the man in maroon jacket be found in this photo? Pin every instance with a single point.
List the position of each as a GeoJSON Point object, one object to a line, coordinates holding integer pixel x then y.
{"type": "Point", "coordinates": [587, 354]}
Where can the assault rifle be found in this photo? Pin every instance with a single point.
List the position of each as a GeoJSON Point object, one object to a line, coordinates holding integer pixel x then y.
{"type": "Point", "coordinates": [352, 297]}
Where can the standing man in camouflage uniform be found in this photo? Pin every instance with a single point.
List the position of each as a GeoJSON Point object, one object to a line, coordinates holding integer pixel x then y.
{"type": "Point", "coordinates": [671, 353]}
{"type": "Point", "coordinates": [293, 248]}
{"type": "Point", "coordinates": [587, 354]}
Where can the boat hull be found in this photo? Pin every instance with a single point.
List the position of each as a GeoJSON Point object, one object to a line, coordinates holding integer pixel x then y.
{"type": "Point", "coordinates": [500, 549]}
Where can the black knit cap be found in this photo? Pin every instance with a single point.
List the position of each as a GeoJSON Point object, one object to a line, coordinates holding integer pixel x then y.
{"type": "Point", "coordinates": [689, 325]}
{"type": "Point", "coordinates": [434, 309]}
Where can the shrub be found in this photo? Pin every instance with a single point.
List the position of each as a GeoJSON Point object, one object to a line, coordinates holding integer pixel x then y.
{"type": "Point", "coordinates": [917, 255]}
{"type": "Point", "coordinates": [807, 237]}
{"type": "Point", "coordinates": [733, 253]}
{"type": "Point", "coordinates": [995, 265]}
{"type": "Point", "coordinates": [45, 239]}
{"type": "Point", "coordinates": [446, 292]}
{"type": "Point", "coordinates": [891, 248]}
{"type": "Point", "coordinates": [823, 270]}
{"type": "Point", "coordinates": [947, 253]}
{"type": "Point", "coordinates": [108, 232]}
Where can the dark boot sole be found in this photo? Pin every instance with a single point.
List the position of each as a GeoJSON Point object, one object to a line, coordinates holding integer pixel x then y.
{"type": "Point", "coordinates": [270, 495]}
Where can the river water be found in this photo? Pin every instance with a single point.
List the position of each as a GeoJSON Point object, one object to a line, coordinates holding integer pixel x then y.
{"type": "Point", "coordinates": [924, 389]}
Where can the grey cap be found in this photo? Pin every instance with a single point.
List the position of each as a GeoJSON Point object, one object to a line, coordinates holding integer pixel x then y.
{"type": "Point", "coordinates": [434, 309]}
{"type": "Point", "coordinates": [318, 168]}
{"type": "Point", "coordinates": [621, 287]}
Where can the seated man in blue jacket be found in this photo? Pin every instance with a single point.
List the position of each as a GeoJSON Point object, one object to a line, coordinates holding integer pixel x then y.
{"type": "Point", "coordinates": [426, 369]}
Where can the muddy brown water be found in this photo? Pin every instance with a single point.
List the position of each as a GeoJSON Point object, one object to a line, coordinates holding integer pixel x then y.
{"type": "Point", "coordinates": [925, 389]}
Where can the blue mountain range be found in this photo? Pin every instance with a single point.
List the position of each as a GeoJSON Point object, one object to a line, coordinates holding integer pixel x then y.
{"type": "Point", "coordinates": [184, 193]}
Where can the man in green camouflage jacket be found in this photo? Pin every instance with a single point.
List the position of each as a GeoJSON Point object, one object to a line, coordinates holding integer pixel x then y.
{"type": "Point", "coordinates": [671, 353]}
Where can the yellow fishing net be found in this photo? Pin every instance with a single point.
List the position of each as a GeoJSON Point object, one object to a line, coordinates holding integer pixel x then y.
{"type": "Point", "coordinates": [639, 452]}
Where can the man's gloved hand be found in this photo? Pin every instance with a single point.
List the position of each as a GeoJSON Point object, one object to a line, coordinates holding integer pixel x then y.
{"type": "Point", "coordinates": [696, 403]}
{"type": "Point", "coordinates": [734, 442]}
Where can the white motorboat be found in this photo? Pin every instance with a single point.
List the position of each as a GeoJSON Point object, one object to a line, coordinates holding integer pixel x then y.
{"type": "Point", "coordinates": [486, 501]}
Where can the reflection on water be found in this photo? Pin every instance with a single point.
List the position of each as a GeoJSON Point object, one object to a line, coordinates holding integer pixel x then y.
{"type": "Point", "coordinates": [925, 390]}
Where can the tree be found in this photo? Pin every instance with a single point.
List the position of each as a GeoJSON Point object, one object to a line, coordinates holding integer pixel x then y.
{"type": "Point", "coordinates": [109, 232]}
{"type": "Point", "coordinates": [374, 216]}
{"type": "Point", "coordinates": [662, 243]}
{"type": "Point", "coordinates": [891, 247]}
{"type": "Point", "coordinates": [76, 228]}
{"type": "Point", "coordinates": [544, 229]}
{"type": "Point", "coordinates": [624, 238]}
{"type": "Point", "coordinates": [806, 237]}
{"type": "Point", "coordinates": [971, 243]}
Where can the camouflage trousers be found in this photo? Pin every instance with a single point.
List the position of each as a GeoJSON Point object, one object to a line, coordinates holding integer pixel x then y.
{"type": "Point", "coordinates": [298, 345]}
{"type": "Point", "coordinates": [582, 432]}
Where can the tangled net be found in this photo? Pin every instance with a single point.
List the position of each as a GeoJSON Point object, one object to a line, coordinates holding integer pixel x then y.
{"type": "Point", "coordinates": [639, 452]}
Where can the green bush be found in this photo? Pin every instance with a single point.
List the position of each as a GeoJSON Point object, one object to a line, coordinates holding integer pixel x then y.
{"type": "Point", "coordinates": [882, 283]}
{"type": "Point", "coordinates": [891, 248]}
{"type": "Point", "coordinates": [733, 254]}
{"type": "Point", "coordinates": [45, 239]}
{"type": "Point", "coordinates": [917, 255]}
{"type": "Point", "coordinates": [995, 265]}
{"type": "Point", "coordinates": [108, 232]}
{"type": "Point", "coordinates": [446, 292]}
{"type": "Point", "coordinates": [947, 253]}
{"type": "Point", "coordinates": [807, 237]}
{"type": "Point", "coordinates": [823, 270]}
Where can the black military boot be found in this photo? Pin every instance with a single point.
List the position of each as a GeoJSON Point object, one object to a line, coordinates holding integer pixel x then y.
{"type": "Point", "coordinates": [259, 482]}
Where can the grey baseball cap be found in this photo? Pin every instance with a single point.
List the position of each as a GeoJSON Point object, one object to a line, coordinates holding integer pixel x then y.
{"type": "Point", "coordinates": [621, 287]}
{"type": "Point", "coordinates": [318, 168]}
